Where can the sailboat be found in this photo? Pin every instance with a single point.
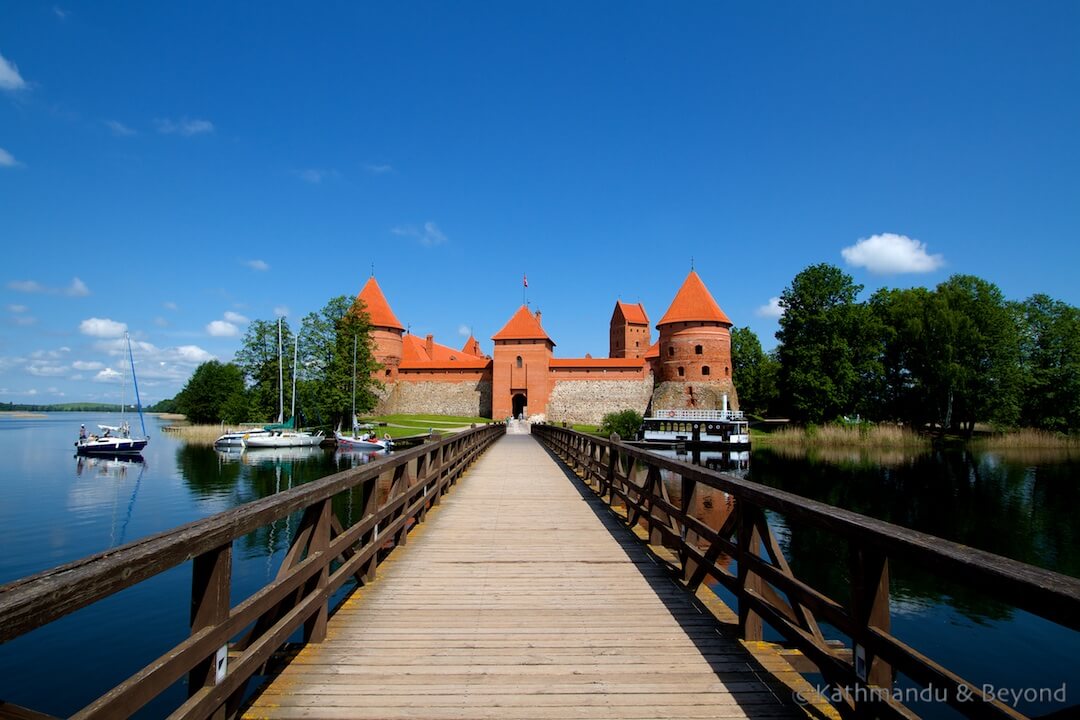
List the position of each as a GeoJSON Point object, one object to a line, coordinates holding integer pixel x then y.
{"type": "Point", "coordinates": [116, 439]}
{"type": "Point", "coordinates": [365, 441]}
{"type": "Point", "coordinates": [282, 435]}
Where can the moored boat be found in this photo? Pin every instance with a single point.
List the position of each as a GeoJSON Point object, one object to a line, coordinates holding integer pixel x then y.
{"type": "Point", "coordinates": [728, 428]}
{"type": "Point", "coordinates": [365, 441]}
{"type": "Point", "coordinates": [116, 439]}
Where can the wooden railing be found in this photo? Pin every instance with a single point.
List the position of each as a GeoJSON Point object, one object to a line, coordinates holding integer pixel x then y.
{"type": "Point", "coordinates": [860, 674]}
{"type": "Point", "coordinates": [230, 643]}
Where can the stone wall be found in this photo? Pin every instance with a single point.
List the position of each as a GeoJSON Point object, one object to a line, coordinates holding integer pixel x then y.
{"type": "Point", "coordinates": [437, 398]}
{"type": "Point", "coordinates": [698, 394]}
{"type": "Point", "coordinates": [587, 401]}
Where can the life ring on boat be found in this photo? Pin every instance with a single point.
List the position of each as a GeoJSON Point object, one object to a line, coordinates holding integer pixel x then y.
{"type": "Point", "coordinates": [386, 437]}
{"type": "Point", "coordinates": [671, 413]}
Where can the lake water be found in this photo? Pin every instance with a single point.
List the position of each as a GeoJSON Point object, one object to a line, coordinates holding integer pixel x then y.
{"type": "Point", "coordinates": [55, 507]}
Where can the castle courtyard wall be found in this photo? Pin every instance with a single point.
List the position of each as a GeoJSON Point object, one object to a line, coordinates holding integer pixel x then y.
{"type": "Point", "coordinates": [587, 401]}
{"type": "Point", "coordinates": [465, 397]}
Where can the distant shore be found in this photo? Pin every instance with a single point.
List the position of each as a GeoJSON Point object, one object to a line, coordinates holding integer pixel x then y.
{"type": "Point", "coordinates": [21, 414]}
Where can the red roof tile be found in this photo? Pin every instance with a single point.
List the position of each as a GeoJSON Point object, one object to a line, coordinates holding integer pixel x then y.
{"type": "Point", "coordinates": [653, 351]}
{"type": "Point", "coordinates": [415, 355]}
{"type": "Point", "coordinates": [635, 363]}
{"type": "Point", "coordinates": [693, 303]}
{"type": "Point", "coordinates": [633, 313]}
{"type": "Point", "coordinates": [472, 347]}
{"type": "Point", "coordinates": [377, 308]}
{"type": "Point", "coordinates": [522, 326]}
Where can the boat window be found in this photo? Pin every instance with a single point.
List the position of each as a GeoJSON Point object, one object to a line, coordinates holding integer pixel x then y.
{"type": "Point", "coordinates": [697, 349]}
{"type": "Point", "coordinates": [704, 369]}
{"type": "Point", "coordinates": [519, 361]}
{"type": "Point", "coordinates": [681, 371]}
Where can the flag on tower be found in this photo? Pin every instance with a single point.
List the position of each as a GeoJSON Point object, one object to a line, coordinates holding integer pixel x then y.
{"type": "Point", "coordinates": [524, 280]}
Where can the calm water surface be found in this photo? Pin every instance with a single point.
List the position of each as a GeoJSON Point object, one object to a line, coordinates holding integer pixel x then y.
{"type": "Point", "coordinates": [55, 508]}
{"type": "Point", "coordinates": [1019, 505]}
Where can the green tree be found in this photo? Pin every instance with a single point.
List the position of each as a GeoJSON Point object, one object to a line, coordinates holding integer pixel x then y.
{"type": "Point", "coordinates": [829, 346]}
{"type": "Point", "coordinates": [902, 322]}
{"type": "Point", "coordinates": [625, 422]}
{"type": "Point", "coordinates": [1050, 361]}
{"type": "Point", "coordinates": [327, 341]}
{"type": "Point", "coordinates": [258, 358]}
{"type": "Point", "coordinates": [972, 368]}
{"type": "Point", "coordinates": [754, 372]}
{"type": "Point", "coordinates": [211, 388]}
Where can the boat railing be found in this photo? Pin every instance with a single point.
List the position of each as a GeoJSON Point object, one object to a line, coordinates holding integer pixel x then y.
{"type": "Point", "coordinates": [689, 414]}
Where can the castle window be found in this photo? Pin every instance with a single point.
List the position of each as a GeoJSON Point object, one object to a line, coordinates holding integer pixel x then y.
{"type": "Point", "coordinates": [727, 371]}
{"type": "Point", "coordinates": [697, 349]}
{"type": "Point", "coordinates": [681, 372]}
{"type": "Point", "coordinates": [705, 370]}
{"type": "Point", "coordinates": [519, 361]}
{"type": "Point", "coordinates": [671, 351]}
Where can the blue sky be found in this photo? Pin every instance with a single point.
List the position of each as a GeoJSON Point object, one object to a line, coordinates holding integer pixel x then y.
{"type": "Point", "coordinates": [179, 169]}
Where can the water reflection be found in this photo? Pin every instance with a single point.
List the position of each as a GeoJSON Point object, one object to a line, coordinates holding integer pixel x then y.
{"type": "Point", "coordinates": [103, 481]}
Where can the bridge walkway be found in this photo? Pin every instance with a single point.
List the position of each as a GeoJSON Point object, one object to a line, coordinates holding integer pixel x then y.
{"type": "Point", "coordinates": [522, 597]}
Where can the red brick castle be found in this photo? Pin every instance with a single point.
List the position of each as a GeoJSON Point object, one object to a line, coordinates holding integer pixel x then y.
{"type": "Point", "coordinates": [689, 366]}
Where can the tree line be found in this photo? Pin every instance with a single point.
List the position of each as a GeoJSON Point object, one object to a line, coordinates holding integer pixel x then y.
{"type": "Point", "coordinates": [944, 358]}
{"type": "Point", "coordinates": [247, 389]}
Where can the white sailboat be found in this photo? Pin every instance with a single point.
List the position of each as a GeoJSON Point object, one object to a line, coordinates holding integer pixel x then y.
{"type": "Point", "coordinates": [367, 440]}
{"type": "Point", "coordinates": [283, 435]}
{"type": "Point", "coordinates": [116, 439]}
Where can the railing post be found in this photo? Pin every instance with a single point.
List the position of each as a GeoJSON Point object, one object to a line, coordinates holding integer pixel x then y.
{"type": "Point", "coordinates": [211, 576]}
{"type": "Point", "coordinates": [750, 627]}
{"type": "Point", "coordinates": [869, 570]}
{"type": "Point", "coordinates": [315, 626]}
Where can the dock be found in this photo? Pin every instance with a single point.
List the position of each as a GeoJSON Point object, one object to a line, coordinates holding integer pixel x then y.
{"type": "Point", "coordinates": [522, 596]}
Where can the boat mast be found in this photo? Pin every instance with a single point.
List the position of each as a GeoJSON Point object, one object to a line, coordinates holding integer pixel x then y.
{"type": "Point", "coordinates": [280, 378]}
{"type": "Point", "coordinates": [296, 347]}
{"type": "Point", "coordinates": [353, 420]}
{"type": "Point", "coordinates": [135, 382]}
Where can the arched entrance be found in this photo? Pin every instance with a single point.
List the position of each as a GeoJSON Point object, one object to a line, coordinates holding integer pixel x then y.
{"type": "Point", "coordinates": [519, 403]}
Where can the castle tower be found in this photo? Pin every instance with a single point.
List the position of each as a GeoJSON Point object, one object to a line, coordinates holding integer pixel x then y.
{"type": "Point", "coordinates": [693, 368]}
{"type": "Point", "coordinates": [386, 331]}
{"type": "Point", "coordinates": [521, 363]}
{"type": "Point", "coordinates": [629, 333]}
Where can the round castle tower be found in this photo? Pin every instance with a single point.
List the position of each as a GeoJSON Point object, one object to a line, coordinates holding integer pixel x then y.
{"type": "Point", "coordinates": [693, 369]}
{"type": "Point", "coordinates": [386, 331]}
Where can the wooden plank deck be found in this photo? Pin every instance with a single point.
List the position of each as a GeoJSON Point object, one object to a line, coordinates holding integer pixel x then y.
{"type": "Point", "coordinates": [521, 597]}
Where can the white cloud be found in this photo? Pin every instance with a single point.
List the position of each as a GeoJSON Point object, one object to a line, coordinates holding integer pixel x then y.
{"type": "Point", "coordinates": [890, 254]}
{"type": "Point", "coordinates": [220, 328]}
{"type": "Point", "coordinates": [102, 328]}
{"type": "Point", "coordinates": [316, 175]}
{"type": "Point", "coordinates": [45, 368]}
{"type": "Point", "coordinates": [184, 126]}
{"type": "Point", "coordinates": [235, 317]}
{"type": "Point", "coordinates": [171, 306]}
{"type": "Point", "coordinates": [60, 12]}
{"type": "Point", "coordinates": [7, 159]}
{"type": "Point", "coordinates": [192, 354]}
{"type": "Point", "coordinates": [771, 309]}
{"type": "Point", "coordinates": [161, 322]}
{"type": "Point", "coordinates": [379, 169]}
{"type": "Point", "coordinates": [17, 308]}
{"type": "Point", "coordinates": [10, 79]}
{"type": "Point", "coordinates": [108, 375]}
{"type": "Point", "coordinates": [260, 265]}
{"type": "Point", "coordinates": [428, 236]}
{"type": "Point", "coordinates": [119, 129]}
{"type": "Point", "coordinates": [464, 330]}
{"type": "Point", "coordinates": [281, 311]}
{"type": "Point", "coordinates": [24, 320]}
{"type": "Point", "coordinates": [77, 288]}
{"type": "Point", "coordinates": [87, 366]}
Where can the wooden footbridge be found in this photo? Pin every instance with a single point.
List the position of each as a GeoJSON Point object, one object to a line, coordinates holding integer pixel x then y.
{"type": "Point", "coordinates": [552, 575]}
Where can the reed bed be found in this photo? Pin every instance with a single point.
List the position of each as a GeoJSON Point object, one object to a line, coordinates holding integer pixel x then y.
{"type": "Point", "coordinates": [201, 434]}
{"type": "Point", "coordinates": [845, 436]}
{"type": "Point", "coordinates": [1028, 439]}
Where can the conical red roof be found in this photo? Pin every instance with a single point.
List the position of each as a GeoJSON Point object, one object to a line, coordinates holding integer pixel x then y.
{"type": "Point", "coordinates": [522, 326]}
{"type": "Point", "coordinates": [377, 308]}
{"type": "Point", "coordinates": [472, 347]}
{"type": "Point", "coordinates": [693, 303]}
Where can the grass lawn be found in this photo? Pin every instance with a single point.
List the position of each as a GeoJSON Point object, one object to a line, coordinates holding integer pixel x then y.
{"type": "Point", "coordinates": [403, 425]}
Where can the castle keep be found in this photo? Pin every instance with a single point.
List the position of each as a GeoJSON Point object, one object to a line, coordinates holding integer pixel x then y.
{"type": "Point", "coordinates": [689, 365]}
